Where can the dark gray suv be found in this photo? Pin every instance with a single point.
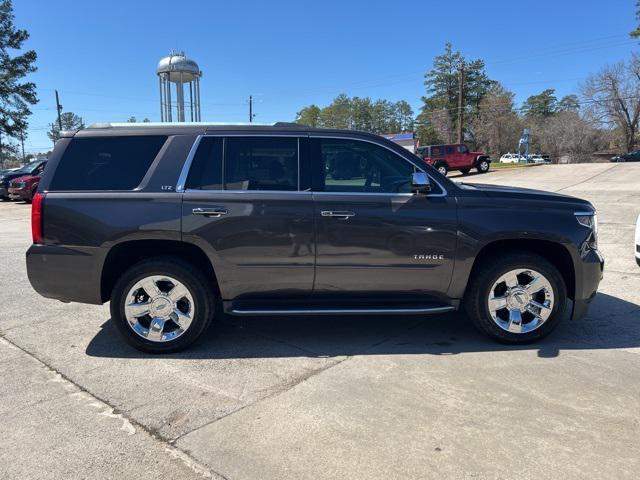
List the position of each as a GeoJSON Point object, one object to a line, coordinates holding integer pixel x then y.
{"type": "Point", "coordinates": [168, 221]}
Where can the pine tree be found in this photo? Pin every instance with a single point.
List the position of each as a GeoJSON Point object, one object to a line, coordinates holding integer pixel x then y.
{"type": "Point", "coordinates": [16, 95]}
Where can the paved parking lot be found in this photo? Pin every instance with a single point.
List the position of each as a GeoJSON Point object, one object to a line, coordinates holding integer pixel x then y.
{"type": "Point", "coordinates": [369, 397]}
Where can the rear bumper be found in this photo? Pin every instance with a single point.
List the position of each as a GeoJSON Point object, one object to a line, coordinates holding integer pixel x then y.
{"type": "Point", "coordinates": [588, 275]}
{"type": "Point", "coordinates": [69, 274]}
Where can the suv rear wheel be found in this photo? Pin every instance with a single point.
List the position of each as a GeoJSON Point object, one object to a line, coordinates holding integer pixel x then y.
{"type": "Point", "coordinates": [162, 305]}
{"type": "Point", "coordinates": [516, 298]}
{"type": "Point", "coordinates": [483, 166]}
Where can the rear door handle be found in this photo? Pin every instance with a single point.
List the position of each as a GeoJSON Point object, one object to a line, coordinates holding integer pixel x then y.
{"type": "Point", "coordinates": [341, 215]}
{"type": "Point", "coordinates": [210, 212]}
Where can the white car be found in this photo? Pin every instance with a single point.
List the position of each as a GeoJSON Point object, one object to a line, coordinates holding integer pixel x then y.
{"type": "Point", "coordinates": [509, 158]}
{"type": "Point", "coordinates": [537, 159]}
{"type": "Point", "coordinates": [638, 241]}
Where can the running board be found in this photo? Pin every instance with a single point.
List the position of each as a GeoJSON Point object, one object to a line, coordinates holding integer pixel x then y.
{"type": "Point", "coordinates": [348, 311]}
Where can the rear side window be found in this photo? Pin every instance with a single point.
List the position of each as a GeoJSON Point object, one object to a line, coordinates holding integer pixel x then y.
{"type": "Point", "coordinates": [261, 163]}
{"type": "Point", "coordinates": [106, 163]}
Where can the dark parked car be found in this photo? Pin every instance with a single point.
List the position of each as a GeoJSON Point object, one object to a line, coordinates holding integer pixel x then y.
{"type": "Point", "coordinates": [167, 222]}
{"type": "Point", "coordinates": [32, 169]}
{"type": "Point", "coordinates": [627, 157]}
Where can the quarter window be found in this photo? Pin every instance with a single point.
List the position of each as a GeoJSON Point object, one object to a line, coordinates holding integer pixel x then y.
{"type": "Point", "coordinates": [355, 166]}
{"type": "Point", "coordinates": [106, 163]}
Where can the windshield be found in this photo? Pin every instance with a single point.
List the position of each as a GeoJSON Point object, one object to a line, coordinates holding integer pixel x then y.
{"type": "Point", "coordinates": [29, 167]}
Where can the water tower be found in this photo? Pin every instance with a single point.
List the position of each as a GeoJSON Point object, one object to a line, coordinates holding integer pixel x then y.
{"type": "Point", "coordinates": [179, 71]}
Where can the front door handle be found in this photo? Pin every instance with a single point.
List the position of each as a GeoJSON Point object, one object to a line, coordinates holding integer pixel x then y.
{"type": "Point", "coordinates": [341, 215]}
{"type": "Point", "coordinates": [210, 212]}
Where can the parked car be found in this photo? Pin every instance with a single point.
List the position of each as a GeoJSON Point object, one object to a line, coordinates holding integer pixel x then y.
{"type": "Point", "coordinates": [536, 158]}
{"type": "Point", "coordinates": [454, 157]}
{"type": "Point", "coordinates": [33, 168]}
{"type": "Point", "coordinates": [638, 241]}
{"type": "Point", "coordinates": [168, 222]}
{"type": "Point", "coordinates": [509, 158]}
{"type": "Point", "coordinates": [23, 188]}
{"type": "Point", "coordinates": [627, 157]}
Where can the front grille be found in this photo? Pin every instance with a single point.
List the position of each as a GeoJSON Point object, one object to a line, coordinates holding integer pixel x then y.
{"type": "Point", "coordinates": [17, 185]}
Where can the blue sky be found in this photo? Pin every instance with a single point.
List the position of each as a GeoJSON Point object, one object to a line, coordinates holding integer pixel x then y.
{"type": "Point", "coordinates": [101, 56]}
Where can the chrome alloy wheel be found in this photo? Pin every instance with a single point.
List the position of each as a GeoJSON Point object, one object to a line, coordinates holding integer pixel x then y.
{"type": "Point", "coordinates": [442, 169]}
{"type": "Point", "coordinates": [159, 308]}
{"type": "Point", "coordinates": [521, 300]}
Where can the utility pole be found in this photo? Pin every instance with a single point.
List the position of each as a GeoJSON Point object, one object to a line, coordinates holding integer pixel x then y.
{"type": "Point", "coordinates": [251, 115]}
{"type": "Point", "coordinates": [59, 109]}
{"type": "Point", "coordinates": [461, 102]}
{"type": "Point", "coordinates": [22, 142]}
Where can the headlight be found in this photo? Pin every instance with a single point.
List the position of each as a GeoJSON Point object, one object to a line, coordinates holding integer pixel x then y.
{"type": "Point", "coordinates": [589, 220]}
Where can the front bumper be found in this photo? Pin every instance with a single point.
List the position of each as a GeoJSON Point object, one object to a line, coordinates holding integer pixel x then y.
{"type": "Point", "coordinates": [3, 191]}
{"type": "Point", "coordinates": [19, 193]}
{"type": "Point", "coordinates": [589, 272]}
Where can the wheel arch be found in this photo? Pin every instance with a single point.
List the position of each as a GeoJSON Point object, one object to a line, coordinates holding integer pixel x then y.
{"type": "Point", "coordinates": [123, 255]}
{"type": "Point", "coordinates": [556, 253]}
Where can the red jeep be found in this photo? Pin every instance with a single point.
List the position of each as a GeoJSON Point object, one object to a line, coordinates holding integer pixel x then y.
{"type": "Point", "coordinates": [454, 157]}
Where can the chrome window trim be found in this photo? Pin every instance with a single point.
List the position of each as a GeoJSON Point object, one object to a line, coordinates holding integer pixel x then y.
{"type": "Point", "coordinates": [186, 166]}
{"type": "Point", "coordinates": [182, 179]}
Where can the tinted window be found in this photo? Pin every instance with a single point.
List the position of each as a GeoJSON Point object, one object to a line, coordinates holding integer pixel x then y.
{"type": "Point", "coordinates": [354, 166]}
{"type": "Point", "coordinates": [261, 163]}
{"type": "Point", "coordinates": [449, 150]}
{"type": "Point", "coordinates": [206, 168]}
{"type": "Point", "coordinates": [106, 163]}
{"type": "Point", "coordinates": [462, 149]}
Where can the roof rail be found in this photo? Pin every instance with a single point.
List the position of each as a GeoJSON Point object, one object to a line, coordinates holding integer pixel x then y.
{"type": "Point", "coordinates": [181, 124]}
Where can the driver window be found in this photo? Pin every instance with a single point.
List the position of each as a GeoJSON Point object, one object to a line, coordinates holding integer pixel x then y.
{"type": "Point", "coordinates": [462, 149]}
{"type": "Point", "coordinates": [355, 166]}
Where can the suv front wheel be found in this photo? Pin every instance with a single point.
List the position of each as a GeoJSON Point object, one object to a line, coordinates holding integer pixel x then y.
{"type": "Point", "coordinates": [516, 298]}
{"type": "Point", "coordinates": [162, 305]}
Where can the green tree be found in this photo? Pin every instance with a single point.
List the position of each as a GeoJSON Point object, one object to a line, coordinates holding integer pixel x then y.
{"type": "Point", "coordinates": [338, 113]}
{"type": "Point", "coordinates": [132, 119]}
{"type": "Point", "coordinates": [442, 91]}
{"type": "Point", "coordinates": [542, 105]}
{"type": "Point", "coordinates": [569, 103]}
{"type": "Point", "coordinates": [69, 120]}
{"type": "Point", "coordinates": [16, 95]}
{"type": "Point", "coordinates": [309, 116]}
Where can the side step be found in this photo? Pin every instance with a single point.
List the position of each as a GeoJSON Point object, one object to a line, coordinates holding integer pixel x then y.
{"type": "Point", "coordinates": [413, 310]}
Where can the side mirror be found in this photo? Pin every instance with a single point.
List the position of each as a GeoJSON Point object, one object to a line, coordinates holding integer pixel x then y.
{"type": "Point", "coordinates": [420, 183]}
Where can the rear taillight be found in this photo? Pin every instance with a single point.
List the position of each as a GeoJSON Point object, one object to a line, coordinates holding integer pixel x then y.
{"type": "Point", "coordinates": [36, 217]}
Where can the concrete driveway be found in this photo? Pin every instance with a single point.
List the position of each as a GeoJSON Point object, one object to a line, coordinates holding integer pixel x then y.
{"type": "Point", "coordinates": [375, 397]}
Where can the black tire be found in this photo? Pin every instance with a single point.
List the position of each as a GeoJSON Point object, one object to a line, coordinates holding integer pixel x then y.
{"type": "Point", "coordinates": [478, 290]}
{"type": "Point", "coordinates": [199, 287]}
{"type": "Point", "coordinates": [483, 165]}
{"type": "Point", "coordinates": [442, 167]}
{"type": "Point", "coordinates": [465, 171]}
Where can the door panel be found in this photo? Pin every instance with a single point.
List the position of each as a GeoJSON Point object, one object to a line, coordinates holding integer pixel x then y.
{"type": "Point", "coordinates": [262, 245]}
{"type": "Point", "coordinates": [372, 234]}
{"type": "Point", "coordinates": [401, 244]}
